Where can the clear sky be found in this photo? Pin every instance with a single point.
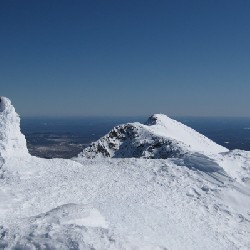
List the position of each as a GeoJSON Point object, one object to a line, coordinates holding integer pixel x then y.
{"type": "Point", "coordinates": [115, 58]}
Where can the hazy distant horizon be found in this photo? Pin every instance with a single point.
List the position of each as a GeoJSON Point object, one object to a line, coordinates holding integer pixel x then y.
{"type": "Point", "coordinates": [128, 116]}
{"type": "Point", "coordinates": [74, 132]}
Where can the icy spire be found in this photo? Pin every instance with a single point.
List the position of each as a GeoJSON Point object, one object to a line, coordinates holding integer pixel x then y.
{"type": "Point", "coordinates": [12, 141]}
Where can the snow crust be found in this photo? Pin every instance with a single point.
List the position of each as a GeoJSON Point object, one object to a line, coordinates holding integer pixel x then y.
{"type": "Point", "coordinates": [121, 204]}
{"type": "Point", "coordinates": [179, 190]}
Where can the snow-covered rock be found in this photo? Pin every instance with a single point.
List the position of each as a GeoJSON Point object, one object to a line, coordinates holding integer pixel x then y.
{"type": "Point", "coordinates": [197, 198]}
{"type": "Point", "coordinates": [159, 138]}
{"type": "Point", "coordinates": [12, 141]}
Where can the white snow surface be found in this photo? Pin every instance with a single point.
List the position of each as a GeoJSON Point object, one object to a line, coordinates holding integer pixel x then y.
{"type": "Point", "coordinates": [197, 198]}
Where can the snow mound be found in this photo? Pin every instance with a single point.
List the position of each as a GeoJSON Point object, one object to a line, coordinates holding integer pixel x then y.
{"type": "Point", "coordinates": [159, 138]}
{"type": "Point", "coordinates": [12, 141]}
{"type": "Point", "coordinates": [69, 226]}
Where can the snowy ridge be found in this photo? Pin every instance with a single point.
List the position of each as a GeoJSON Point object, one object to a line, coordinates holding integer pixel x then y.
{"type": "Point", "coordinates": [197, 198]}
{"type": "Point", "coordinates": [12, 141]}
{"type": "Point", "coordinates": [159, 138]}
{"type": "Point", "coordinates": [163, 126]}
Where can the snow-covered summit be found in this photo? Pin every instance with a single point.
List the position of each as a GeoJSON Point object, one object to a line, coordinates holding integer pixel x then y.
{"type": "Point", "coordinates": [12, 141]}
{"type": "Point", "coordinates": [163, 126]}
{"type": "Point", "coordinates": [159, 137]}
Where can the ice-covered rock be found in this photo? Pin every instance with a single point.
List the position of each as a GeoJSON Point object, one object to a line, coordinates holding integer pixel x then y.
{"type": "Point", "coordinates": [12, 141]}
{"type": "Point", "coordinates": [160, 137]}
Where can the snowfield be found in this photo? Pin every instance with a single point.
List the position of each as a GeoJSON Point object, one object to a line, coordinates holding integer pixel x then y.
{"type": "Point", "coordinates": [159, 185]}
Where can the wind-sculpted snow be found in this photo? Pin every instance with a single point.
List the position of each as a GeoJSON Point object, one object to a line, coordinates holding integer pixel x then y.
{"type": "Point", "coordinates": [155, 186]}
{"type": "Point", "coordinates": [12, 142]}
{"type": "Point", "coordinates": [160, 138]}
{"type": "Point", "coordinates": [121, 204]}
{"type": "Point", "coordinates": [236, 163]}
{"type": "Point", "coordinates": [70, 226]}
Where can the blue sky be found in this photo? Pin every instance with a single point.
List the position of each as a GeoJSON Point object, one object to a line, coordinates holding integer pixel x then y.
{"type": "Point", "coordinates": [115, 58]}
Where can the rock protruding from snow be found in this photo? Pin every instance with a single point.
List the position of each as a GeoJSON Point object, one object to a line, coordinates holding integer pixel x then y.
{"type": "Point", "coordinates": [159, 138]}
{"type": "Point", "coordinates": [12, 141]}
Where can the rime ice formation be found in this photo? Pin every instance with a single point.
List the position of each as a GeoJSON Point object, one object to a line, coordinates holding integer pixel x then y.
{"type": "Point", "coordinates": [12, 141]}
{"type": "Point", "coordinates": [159, 138]}
{"type": "Point", "coordinates": [175, 190]}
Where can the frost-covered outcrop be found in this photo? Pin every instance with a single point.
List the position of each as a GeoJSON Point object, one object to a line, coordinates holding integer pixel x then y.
{"type": "Point", "coordinates": [159, 138]}
{"type": "Point", "coordinates": [12, 141]}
